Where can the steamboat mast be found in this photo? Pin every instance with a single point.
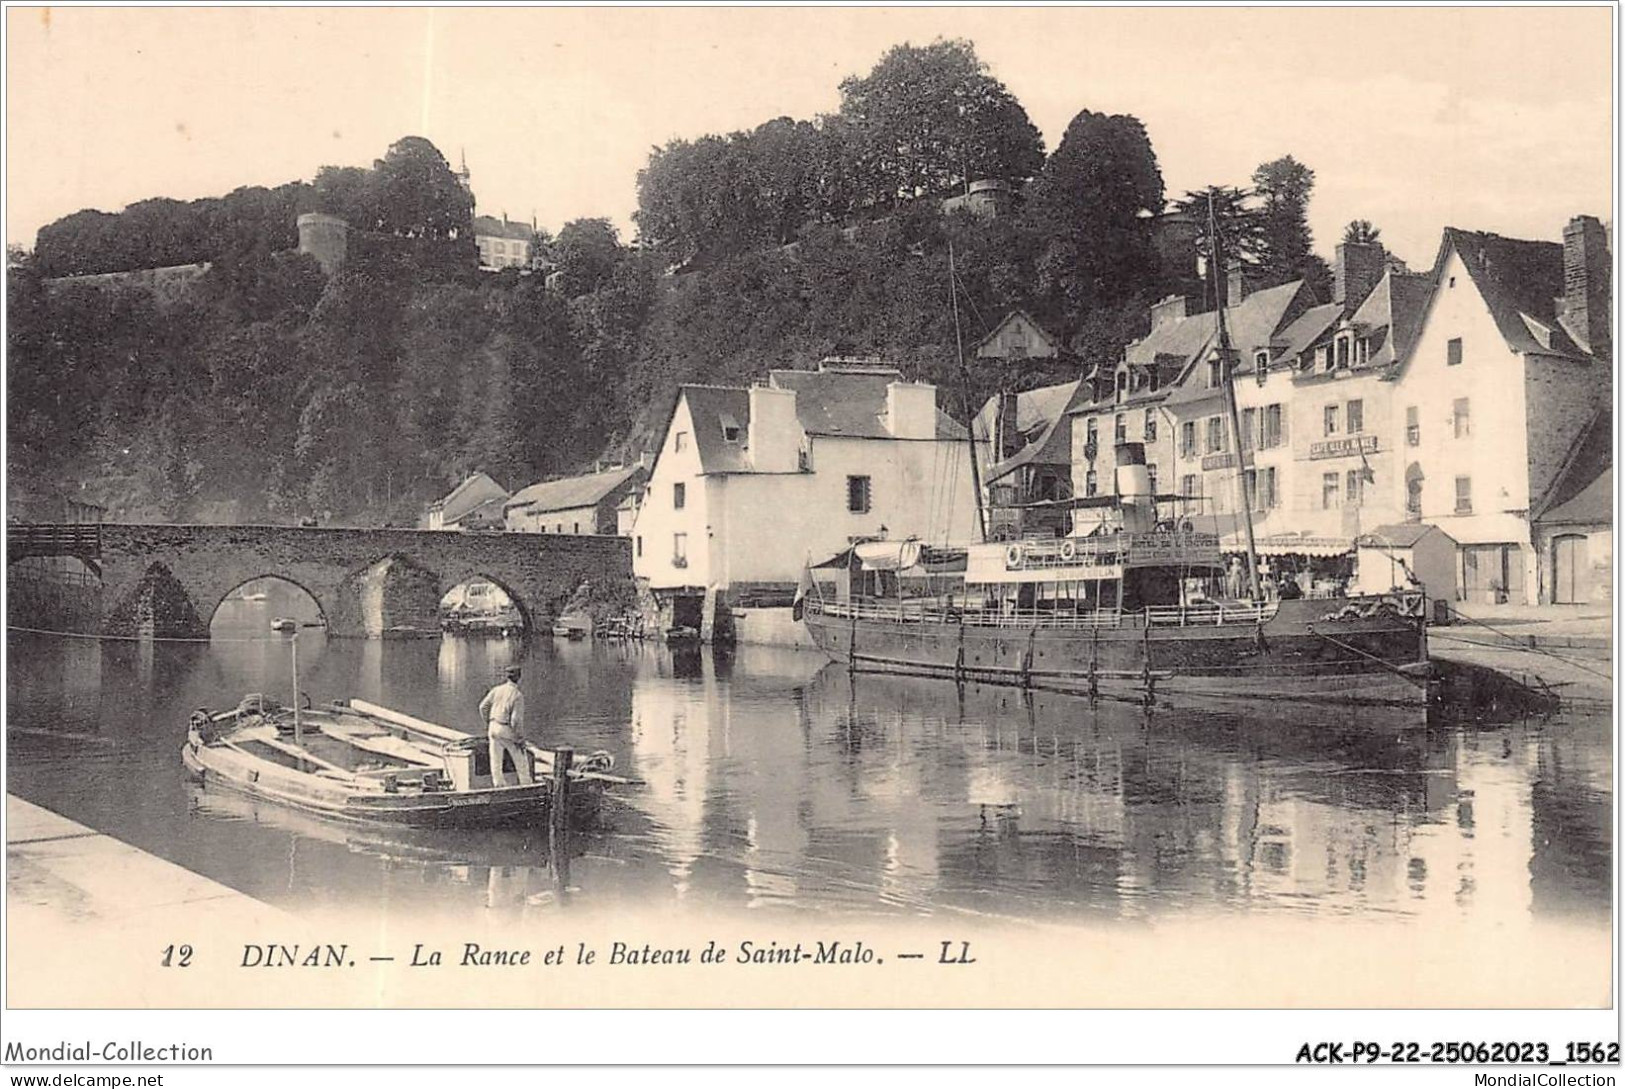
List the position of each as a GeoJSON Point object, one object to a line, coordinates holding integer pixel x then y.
{"type": "Point", "coordinates": [1227, 371]}
{"type": "Point", "coordinates": [970, 408]}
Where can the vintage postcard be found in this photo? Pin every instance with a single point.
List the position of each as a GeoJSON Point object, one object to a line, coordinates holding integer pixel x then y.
{"type": "Point", "coordinates": [1059, 508]}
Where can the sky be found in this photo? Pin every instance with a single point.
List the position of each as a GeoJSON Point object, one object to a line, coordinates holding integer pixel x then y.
{"type": "Point", "coordinates": [1485, 118]}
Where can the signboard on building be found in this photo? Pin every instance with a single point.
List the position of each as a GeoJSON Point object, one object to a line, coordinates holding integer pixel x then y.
{"type": "Point", "coordinates": [1342, 448]}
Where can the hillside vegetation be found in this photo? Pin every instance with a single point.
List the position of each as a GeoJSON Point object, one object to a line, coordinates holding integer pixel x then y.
{"type": "Point", "coordinates": [270, 392]}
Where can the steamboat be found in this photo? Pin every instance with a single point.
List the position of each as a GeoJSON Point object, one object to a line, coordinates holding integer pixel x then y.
{"type": "Point", "coordinates": [1128, 605]}
{"type": "Point", "coordinates": [1128, 599]}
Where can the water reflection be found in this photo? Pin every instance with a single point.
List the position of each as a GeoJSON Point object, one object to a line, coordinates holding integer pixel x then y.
{"type": "Point", "coordinates": [776, 781]}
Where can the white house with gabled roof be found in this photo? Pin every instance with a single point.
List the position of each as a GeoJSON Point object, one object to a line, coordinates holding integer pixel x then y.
{"type": "Point", "coordinates": [1512, 359]}
{"type": "Point", "coordinates": [752, 484]}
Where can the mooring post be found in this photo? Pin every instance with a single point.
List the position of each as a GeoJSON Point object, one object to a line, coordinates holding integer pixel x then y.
{"type": "Point", "coordinates": [563, 757]}
{"type": "Point", "coordinates": [558, 817]}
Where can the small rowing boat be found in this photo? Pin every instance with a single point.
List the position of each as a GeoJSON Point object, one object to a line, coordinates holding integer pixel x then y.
{"type": "Point", "coordinates": [358, 761]}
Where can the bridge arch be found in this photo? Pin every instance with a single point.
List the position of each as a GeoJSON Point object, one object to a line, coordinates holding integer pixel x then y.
{"type": "Point", "coordinates": [234, 591]}
{"type": "Point", "coordinates": [160, 578]}
{"type": "Point", "coordinates": [448, 584]}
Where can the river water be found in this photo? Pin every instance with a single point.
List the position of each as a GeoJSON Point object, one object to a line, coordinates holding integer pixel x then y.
{"type": "Point", "coordinates": [772, 779]}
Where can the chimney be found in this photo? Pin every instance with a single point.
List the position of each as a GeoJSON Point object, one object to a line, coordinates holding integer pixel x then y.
{"type": "Point", "coordinates": [1171, 309]}
{"type": "Point", "coordinates": [1237, 286]}
{"type": "Point", "coordinates": [1587, 284]}
{"type": "Point", "coordinates": [775, 433]}
{"type": "Point", "coordinates": [1360, 266]}
{"type": "Point", "coordinates": [1134, 488]}
{"type": "Point", "coordinates": [911, 410]}
{"type": "Point", "coordinates": [1009, 431]}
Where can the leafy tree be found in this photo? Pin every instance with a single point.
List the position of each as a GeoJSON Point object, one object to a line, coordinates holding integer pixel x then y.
{"type": "Point", "coordinates": [698, 197]}
{"type": "Point", "coordinates": [1091, 209]}
{"type": "Point", "coordinates": [417, 194]}
{"type": "Point", "coordinates": [587, 251]}
{"type": "Point", "coordinates": [1283, 187]}
{"type": "Point", "coordinates": [331, 446]}
{"type": "Point", "coordinates": [1361, 232]}
{"type": "Point", "coordinates": [1240, 232]}
{"type": "Point", "coordinates": [346, 192]}
{"type": "Point", "coordinates": [929, 119]}
{"type": "Point", "coordinates": [785, 160]}
{"type": "Point", "coordinates": [256, 285]}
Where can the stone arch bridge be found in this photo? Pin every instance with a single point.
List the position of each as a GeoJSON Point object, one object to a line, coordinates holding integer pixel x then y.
{"type": "Point", "coordinates": [167, 580]}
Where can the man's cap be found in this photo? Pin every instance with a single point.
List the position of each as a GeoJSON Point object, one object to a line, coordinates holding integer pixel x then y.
{"type": "Point", "coordinates": [512, 672]}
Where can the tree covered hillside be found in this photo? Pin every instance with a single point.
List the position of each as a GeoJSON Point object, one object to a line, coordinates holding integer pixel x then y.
{"type": "Point", "coordinates": [268, 391]}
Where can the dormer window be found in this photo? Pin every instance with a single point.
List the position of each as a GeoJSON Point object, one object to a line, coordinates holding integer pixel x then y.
{"type": "Point", "coordinates": [1215, 373]}
{"type": "Point", "coordinates": [1323, 357]}
{"type": "Point", "coordinates": [1261, 360]}
{"type": "Point", "coordinates": [730, 429]}
{"type": "Point", "coordinates": [1344, 344]}
{"type": "Point", "coordinates": [1122, 384]}
{"type": "Point", "coordinates": [1362, 351]}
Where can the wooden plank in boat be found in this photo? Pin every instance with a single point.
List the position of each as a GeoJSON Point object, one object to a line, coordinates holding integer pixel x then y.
{"type": "Point", "coordinates": [388, 745]}
{"type": "Point", "coordinates": [444, 733]}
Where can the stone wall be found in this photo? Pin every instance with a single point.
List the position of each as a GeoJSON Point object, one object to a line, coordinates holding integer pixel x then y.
{"type": "Point", "coordinates": [171, 578]}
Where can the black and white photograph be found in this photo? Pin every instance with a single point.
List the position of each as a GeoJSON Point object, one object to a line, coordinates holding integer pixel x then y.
{"type": "Point", "coordinates": [1066, 508]}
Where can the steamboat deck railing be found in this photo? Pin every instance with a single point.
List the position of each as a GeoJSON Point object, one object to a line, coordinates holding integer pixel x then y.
{"type": "Point", "coordinates": [932, 611]}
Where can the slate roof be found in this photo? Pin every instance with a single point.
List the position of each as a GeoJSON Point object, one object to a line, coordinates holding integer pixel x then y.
{"type": "Point", "coordinates": [1395, 306]}
{"type": "Point", "coordinates": [492, 227]}
{"type": "Point", "coordinates": [1252, 325]}
{"type": "Point", "coordinates": [1517, 279]}
{"type": "Point", "coordinates": [1583, 492]}
{"type": "Point", "coordinates": [1307, 328]}
{"type": "Point", "coordinates": [571, 492]}
{"type": "Point", "coordinates": [835, 401]}
{"type": "Point", "coordinates": [1035, 408]}
{"type": "Point", "coordinates": [1389, 317]}
{"type": "Point", "coordinates": [706, 407]}
{"type": "Point", "coordinates": [832, 402]}
{"type": "Point", "coordinates": [1048, 408]}
{"type": "Point", "coordinates": [471, 493]}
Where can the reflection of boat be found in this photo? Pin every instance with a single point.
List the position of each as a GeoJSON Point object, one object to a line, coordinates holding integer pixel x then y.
{"type": "Point", "coordinates": [366, 763]}
{"type": "Point", "coordinates": [1113, 610]}
{"type": "Point", "coordinates": [682, 636]}
{"type": "Point", "coordinates": [1192, 731]}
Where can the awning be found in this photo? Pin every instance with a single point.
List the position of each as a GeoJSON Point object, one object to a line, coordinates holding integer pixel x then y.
{"type": "Point", "coordinates": [888, 555]}
{"type": "Point", "coordinates": [1289, 544]}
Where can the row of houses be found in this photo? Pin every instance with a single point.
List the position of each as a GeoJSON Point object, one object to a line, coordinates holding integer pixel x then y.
{"type": "Point", "coordinates": [603, 502]}
{"type": "Point", "coordinates": [1474, 397]}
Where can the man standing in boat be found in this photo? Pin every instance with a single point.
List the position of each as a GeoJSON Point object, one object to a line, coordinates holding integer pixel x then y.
{"type": "Point", "coordinates": [503, 710]}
